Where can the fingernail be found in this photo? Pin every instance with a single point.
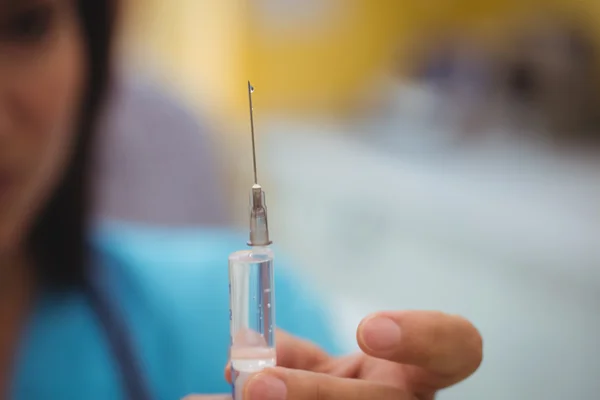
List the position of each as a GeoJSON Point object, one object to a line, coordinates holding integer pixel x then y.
{"type": "Point", "coordinates": [266, 387]}
{"type": "Point", "coordinates": [380, 334]}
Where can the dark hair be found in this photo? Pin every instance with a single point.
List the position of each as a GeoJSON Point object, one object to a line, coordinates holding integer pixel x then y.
{"type": "Point", "coordinates": [58, 240]}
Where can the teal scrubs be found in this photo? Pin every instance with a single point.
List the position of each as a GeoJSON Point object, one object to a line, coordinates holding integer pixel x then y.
{"type": "Point", "coordinates": [171, 286]}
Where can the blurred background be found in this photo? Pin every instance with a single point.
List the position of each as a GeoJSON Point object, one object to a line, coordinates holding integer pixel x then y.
{"type": "Point", "coordinates": [415, 155]}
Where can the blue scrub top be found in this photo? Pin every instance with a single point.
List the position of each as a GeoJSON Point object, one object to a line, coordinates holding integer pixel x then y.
{"type": "Point", "coordinates": [172, 288]}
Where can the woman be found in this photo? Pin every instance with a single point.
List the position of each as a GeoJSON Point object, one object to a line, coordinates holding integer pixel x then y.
{"type": "Point", "coordinates": [106, 319]}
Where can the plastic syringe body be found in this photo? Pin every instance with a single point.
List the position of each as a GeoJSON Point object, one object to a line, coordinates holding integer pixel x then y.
{"type": "Point", "coordinates": [252, 300]}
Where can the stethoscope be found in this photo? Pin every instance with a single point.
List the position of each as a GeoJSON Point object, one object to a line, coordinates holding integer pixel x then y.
{"type": "Point", "coordinates": [119, 340]}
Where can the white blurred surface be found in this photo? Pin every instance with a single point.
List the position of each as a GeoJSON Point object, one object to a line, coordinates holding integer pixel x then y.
{"type": "Point", "coordinates": [504, 236]}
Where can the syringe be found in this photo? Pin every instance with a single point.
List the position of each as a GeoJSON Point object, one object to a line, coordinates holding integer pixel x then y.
{"type": "Point", "coordinates": [251, 291]}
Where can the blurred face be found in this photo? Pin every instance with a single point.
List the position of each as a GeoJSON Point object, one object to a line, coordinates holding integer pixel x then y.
{"type": "Point", "coordinates": [41, 83]}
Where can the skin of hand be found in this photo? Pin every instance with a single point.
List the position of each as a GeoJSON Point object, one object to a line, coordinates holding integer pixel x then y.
{"type": "Point", "coordinates": [405, 355]}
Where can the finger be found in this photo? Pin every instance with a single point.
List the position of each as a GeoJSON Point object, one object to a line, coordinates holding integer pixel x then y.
{"type": "Point", "coordinates": [447, 348]}
{"type": "Point", "coordinates": [296, 353]}
{"type": "Point", "coordinates": [287, 384]}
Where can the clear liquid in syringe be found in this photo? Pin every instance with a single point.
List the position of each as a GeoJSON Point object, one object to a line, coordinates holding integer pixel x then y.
{"type": "Point", "coordinates": [252, 359]}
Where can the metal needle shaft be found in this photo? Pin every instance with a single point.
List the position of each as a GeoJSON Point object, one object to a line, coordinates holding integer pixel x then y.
{"type": "Point", "coordinates": [250, 91]}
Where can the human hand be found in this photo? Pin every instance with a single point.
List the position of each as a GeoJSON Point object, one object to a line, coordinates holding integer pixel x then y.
{"type": "Point", "coordinates": [407, 355]}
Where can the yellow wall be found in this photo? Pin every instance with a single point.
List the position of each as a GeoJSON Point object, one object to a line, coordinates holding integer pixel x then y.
{"type": "Point", "coordinates": [319, 71]}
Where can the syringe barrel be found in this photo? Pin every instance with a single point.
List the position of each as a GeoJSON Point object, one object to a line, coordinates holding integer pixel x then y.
{"type": "Point", "coordinates": [252, 313]}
